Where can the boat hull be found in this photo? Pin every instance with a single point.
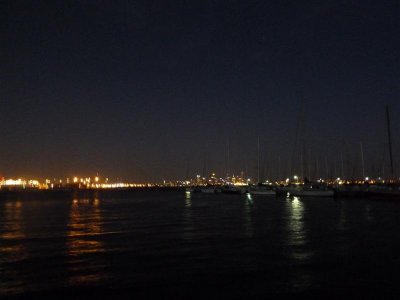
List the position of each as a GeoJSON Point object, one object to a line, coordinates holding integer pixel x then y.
{"type": "Point", "coordinates": [208, 191]}
{"type": "Point", "coordinates": [263, 193]}
{"type": "Point", "coordinates": [303, 193]}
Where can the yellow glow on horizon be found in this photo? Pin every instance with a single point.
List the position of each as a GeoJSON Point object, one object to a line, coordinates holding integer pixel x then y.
{"type": "Point", "coordinates": [19, 181]}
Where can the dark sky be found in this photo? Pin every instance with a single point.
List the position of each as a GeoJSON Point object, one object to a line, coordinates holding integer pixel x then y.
{"type": "Point", "coordinates": [146, 90]}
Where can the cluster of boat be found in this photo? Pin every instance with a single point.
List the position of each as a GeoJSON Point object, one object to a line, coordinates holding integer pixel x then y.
{"type": "Point", "coordinates": [305, 190]}
{"type": "Point", "coordinates": [265, 190]}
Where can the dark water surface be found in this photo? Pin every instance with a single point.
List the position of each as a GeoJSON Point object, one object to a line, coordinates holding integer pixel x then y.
{"type": "Point", "coordinates": [173, 245]}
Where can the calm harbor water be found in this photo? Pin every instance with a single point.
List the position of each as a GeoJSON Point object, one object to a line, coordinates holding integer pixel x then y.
{"type": "Point", "coordinates": [171, 244]}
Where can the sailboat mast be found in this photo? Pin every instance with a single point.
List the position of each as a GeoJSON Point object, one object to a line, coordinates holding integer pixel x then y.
{"type": "Point", "coordinates": [303, 149]}
{"type": "Point", "coordinates": [389, 140]}
{"type": "Point", "coordinates": [227, 159]}
{"type": "Point", "coordinates": [279, 168]}
{"type": "Point", "coordinates": [326, 169]}
{"type": "Point", "coordinates": [205, 167]}
{"type": "Point", "coordinates": [362, 160]}
{"type": "Point", "coordinates": [342, 164]}
{"type": "Point", "coordinates": [258, 159]}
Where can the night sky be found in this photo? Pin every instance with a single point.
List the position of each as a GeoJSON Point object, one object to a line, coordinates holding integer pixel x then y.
{"type": "Point", "coordinates": [153, 90]}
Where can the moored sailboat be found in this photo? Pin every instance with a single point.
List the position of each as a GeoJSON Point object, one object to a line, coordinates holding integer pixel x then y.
{"type": "Point", "coordinates": [311, 190]}
{"type": "Point", "coordinates": [262, 190]}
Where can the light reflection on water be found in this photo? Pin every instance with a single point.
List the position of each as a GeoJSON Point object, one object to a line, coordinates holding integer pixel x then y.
{"type": "Point", "coordinates": [12, 220]}
{"type": "Point", "coordinates": [233, 241]}
{"type": "Point", "coordinates": [248, 222]}
{"type": "Point", "coordinates": [368, 214]}
{"type": "Point", "coordinates": [297, 241]}
{"type": "Point", "coordinates": [342, 224]}
{"type": "Point", "coordinates": [296, 235]}
{"type": "Point", "coordinates": [342, 245]}
{"type": "Point", "coordinates": [188, 200]}
{"type": "Point", "coordinates": [85, 229]}
{"type": "Point", "coordinates": [187, 217]}
{"type": "Point", "coordinates": [12, 247]}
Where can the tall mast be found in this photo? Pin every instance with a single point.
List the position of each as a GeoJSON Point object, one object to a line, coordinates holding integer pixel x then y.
{"type": "Point", "coordinates": [341, 164]}
{"type": "Point", "coordinates": [227, 159]}
{"type": "Point", "coordinates": [187, 174]}
{"type": "Point", "coordinates": [296, 151]}
{"type": "Point", "coordinates": [279, 167]}
{"type": "Point", "coordinates": [390, 140]}
{"type": "Point", "coordinates": [205, 167]}
{"type": "Point", "coordinates": [303, 133]}
{"type": "Point", "coordinates": [258, 159]}
{"type": "Point", "coordinates": [362, 160]}
{"type": "Point", "coordinates": [326, 168]}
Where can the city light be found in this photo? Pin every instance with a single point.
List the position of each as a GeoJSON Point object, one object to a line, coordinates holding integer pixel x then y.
{"type": "Point", "coordinates": [96, 182]}
{"type": "Point", "coordinates": [14, 182]}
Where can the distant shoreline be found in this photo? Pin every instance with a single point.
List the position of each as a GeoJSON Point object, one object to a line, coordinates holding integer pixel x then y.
{"type": "Point", "coordinates": [78, 193]}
